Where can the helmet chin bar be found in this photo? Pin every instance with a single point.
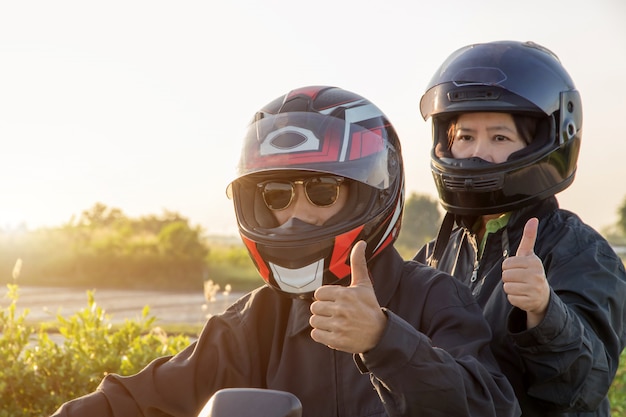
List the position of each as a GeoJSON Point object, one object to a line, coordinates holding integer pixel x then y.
{"type": "Point", "coordinates": [300, 280]}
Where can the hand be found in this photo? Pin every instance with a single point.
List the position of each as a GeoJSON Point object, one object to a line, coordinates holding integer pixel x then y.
{"type": "Point", "coordinates": [349, 318]}
{"type": "Point", "coordinates": [524, 278]}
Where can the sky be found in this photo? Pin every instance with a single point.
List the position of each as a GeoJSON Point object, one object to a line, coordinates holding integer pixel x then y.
{"type": "Point", "coordinates": [141, 105]}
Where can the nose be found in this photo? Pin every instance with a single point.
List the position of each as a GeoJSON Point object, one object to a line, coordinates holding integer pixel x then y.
{"type": "Point", "coordinates": [301, 208]}
{"type": "Point", "coordinates": [482, 150]}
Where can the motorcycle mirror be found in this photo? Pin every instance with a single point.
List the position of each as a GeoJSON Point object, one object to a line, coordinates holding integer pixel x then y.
{"type": "Point", "coordinates": [252, 402]}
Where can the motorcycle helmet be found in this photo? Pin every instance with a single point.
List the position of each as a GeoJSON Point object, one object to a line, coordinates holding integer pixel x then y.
{"type": "Point", "coordinates": [525, 80]}
{"type": "Point", "coordinates": [312, 131]}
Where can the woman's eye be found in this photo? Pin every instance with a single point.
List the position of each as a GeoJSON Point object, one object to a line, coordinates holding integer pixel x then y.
{"type": "Point", "coordinates": [500, 138]}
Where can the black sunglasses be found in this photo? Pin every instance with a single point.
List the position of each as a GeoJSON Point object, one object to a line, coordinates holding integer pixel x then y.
{"type": "Point", "coordinates": [321, 191]}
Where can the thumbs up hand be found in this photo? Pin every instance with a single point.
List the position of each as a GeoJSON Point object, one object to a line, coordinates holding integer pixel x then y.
{"type": "Point", "coordinates": [524, 279]}
{"type": "Point", "coordinates": [348, 318]}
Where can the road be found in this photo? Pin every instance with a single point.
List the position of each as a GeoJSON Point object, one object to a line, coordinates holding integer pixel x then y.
{"type": "Point", "coordinates": [44, 303]}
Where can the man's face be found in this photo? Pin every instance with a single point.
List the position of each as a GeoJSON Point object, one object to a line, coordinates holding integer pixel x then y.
{"type": "Point", "coordinates": [313, 200]}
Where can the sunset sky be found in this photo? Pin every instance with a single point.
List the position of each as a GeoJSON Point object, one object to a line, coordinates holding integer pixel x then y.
{"type": "Point", "coordinates": [141, 105]}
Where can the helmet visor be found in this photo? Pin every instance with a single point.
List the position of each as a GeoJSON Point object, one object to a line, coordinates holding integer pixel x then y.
{"type": "Point", "coordinates": [321, 143]}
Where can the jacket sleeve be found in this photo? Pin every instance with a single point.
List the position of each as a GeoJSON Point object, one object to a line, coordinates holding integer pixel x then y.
{"type": "Point", "coordinates": [572, 356]}
{"type": "Point", "coordinates": [178, 385]}
{"type": "Point", "coordinates": [449, 369]}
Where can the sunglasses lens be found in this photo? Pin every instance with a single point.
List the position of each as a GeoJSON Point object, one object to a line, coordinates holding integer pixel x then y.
{"type": "Point", "coordinates": [277, 195]}
{"type": "Point", "coordinates": [322, 191]}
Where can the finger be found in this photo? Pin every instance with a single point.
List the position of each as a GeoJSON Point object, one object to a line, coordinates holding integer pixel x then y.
{"type": "Point", "coordinates": [321, 336]}
{"type": "Point", "coordinates": [358, 265]}
{"type": "Point", "coordinates": [527, 244]}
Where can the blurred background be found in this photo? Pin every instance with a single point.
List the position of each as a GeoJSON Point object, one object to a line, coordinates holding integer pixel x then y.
{"type": "Point", "coordinates": [140, 105]}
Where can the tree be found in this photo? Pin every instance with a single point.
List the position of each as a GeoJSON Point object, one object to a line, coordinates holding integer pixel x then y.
{"type": "Point", "coordinates": [181, 241]}
{"type": "Point", "coordinates": [105, 248]}
{"type": "Point", "coordinates": [420, 222]}
{"type": "Point", "coordinates": [101, 216]}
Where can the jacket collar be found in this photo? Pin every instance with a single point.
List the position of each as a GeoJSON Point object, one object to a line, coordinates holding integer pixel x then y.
{"type": "Point", "coordinates": [540, 210]}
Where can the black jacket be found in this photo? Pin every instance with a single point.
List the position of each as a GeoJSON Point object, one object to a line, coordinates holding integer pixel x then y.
{"type": "Point", "coordinates": [433, 359]}
{"type": "Point", "coordinates": [565, 365]}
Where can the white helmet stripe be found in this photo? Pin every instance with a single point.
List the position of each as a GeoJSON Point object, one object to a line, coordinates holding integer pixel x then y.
{"type": "Point", "coordinates": [393, 222]}
{"type": "Point", "coordinates": [354, 115]}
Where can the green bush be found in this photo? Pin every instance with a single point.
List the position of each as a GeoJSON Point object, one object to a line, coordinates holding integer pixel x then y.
{"type": "Point", "coordinates": [38, 374]}
{"type": "Point", "coordinates": [617, 394]}
{"type": "Point", "coordinates": [230, 264]}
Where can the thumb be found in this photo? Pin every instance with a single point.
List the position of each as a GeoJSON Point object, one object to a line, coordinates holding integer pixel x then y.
{"type": "Point", "coordinates": [527, 244]}
{"type": "Point", "coordinates": [358, 265]}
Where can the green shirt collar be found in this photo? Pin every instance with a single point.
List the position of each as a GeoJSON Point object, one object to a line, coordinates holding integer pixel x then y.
{"type": "Point", "coordinates": [493, 226]}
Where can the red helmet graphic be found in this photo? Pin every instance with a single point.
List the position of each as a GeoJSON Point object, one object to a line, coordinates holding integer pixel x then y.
{"type": "Point", "coordinates": [307, 132]}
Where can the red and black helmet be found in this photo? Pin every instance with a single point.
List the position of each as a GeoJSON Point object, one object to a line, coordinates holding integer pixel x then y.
{"type": "Point", "coordinates": [308, 131]}
{"type": "Point", "coordinates": [520, 78]}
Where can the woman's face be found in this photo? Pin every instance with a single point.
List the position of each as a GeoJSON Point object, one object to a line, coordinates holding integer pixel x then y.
{"type": "Point", "coordinates": [489, 136]}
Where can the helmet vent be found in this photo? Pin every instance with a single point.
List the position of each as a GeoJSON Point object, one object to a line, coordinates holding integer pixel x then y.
{"type": "Point", "coordinates": [288, 140]}
{"type": "Point", "coordinates": [471, 184]}
{"type": "Point", "coordinates": [472, 94]}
